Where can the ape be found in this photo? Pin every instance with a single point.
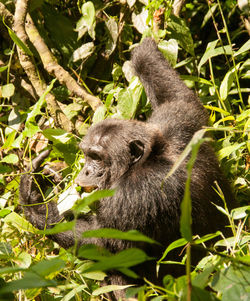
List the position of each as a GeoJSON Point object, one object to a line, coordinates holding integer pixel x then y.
{"type": "Point", "coordinates": [134, 157]}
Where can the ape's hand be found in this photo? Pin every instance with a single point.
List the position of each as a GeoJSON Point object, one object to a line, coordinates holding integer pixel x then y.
{"type": "Point", "coordinates": [31, 191]}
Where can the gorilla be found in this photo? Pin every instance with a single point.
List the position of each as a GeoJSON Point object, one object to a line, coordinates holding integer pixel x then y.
{"type": "Point", "coordinates": [134, 157]}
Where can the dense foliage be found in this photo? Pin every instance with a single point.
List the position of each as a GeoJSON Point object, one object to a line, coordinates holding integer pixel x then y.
{"type": "Point", "coordinates": [51, 66]}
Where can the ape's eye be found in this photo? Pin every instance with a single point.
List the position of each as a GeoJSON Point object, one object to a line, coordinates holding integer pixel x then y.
{"type": "Point", "coordinates": [95, 156]}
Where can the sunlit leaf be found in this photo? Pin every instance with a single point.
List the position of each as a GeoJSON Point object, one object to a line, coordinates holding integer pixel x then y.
{"type": "Point", "coordinates": [10, 159]}
{"type": "Point", "coordinates": [109, 288]}
{"type": "Point", "coordinates": [8, 90]}
{"type": "Point", "coordinates": [117, 234]}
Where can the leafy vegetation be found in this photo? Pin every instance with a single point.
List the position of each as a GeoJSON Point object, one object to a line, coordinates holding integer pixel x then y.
{"type": "Point", "coordinates": [50, 69]}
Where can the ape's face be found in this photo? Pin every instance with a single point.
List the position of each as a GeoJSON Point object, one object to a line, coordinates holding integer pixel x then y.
{"type": "Point", "coordinates": [109, 153]}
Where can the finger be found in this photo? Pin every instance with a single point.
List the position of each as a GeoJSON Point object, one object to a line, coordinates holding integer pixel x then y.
{"type": "Point", "coordinates": [39, 159]}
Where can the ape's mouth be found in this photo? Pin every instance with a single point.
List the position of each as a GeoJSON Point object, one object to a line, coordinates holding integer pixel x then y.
{"type": "Point", "coordinates": [89, 189]}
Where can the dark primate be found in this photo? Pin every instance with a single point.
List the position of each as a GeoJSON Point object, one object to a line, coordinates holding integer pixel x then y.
{"type": "Point", "coordinates": [134, 157]}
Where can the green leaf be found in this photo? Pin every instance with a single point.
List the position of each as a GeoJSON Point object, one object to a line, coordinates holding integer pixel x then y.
{"type": "Point", "coordinates": [4, 212]}
{"type": "Point", "coordinates": [3, 68]}
{"type": "Point", "coordinates": [176, 244]}
{"type": "Point", "coordinates": [228, 150]}
{"type": "Point", "coordinates": [87, 20]}
{"type": "Point", "coordinates": [113, 36]}
{"type": "Point", "coordinates": [8, 90]}
{"type": "Point", "coordinates": [99, 114]}
{"type": "Point", "coordinates": [109, 288]}
{"type": "Point", "coordinates": [132, 235]}
{"type": "Point", "coordinates": [241, 212]}
{"type": "Point", "coordinates": [207, 237]}
{"type": "Point", "coordinates": [128, 99]}
{"type": "Point", "coordinates": [61, 227]}
{"type": "Point", "coordinates": [10, 159]}
{"type": "Point", "coordinates": [227, 82]}
{"type": "Point", "coordinates": [17, 41]}
{"type": "Point", "coordinates": [29, 280]}
{"type": "Point", "coordinates": [180, 32]}
{"type": "Point", "coordinates": [57, 135]}
{"type": "Point", "coordinates": [47, 267]}
{"type": "Point", "coordinates": [209, 14]}
{"type": "Point", "coordinates": [91, 198]}
{"type": "Point", "coordinates": [19, 222]}
{"type": "Point", "coordinates": [4, 198]}
{"type": "Point", "coordinates": [243, 48]}
{"type": "Point", "coordinates": [97, 275]}
{"type": "Point", "coordinates": [211, 51]}
{"type": "Point", "coordinates": [93, 252]}
{"type": "Point", "coordinates": [123, 259]}
{"type": "Point", "coordinates": [170, 50]}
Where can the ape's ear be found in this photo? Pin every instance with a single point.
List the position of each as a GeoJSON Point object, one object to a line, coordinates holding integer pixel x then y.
{"type": "Point", "coordinates": [136, 150]}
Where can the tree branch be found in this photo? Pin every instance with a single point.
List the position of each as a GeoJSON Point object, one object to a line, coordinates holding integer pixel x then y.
{"type": "Point", "coordinates": [177, 7]}
{"type": "Point", "coordinates": [53, 68]}
{"type": "Point", "coordinates": [26, 62]}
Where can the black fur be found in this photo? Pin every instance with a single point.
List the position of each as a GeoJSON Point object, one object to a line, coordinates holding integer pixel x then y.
{"type": "Point", "coordinates": [134, 157]}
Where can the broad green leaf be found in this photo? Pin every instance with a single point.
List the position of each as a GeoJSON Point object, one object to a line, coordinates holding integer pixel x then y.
{"type": "Point", "coordinates": [109, 288]}
{"type": "Point", "coordinates": [232, 282]}
{"type": "Point", "coordinates": [10, 159]}
{"type": "Point", "coordinates": [176, 244]}
{"type": "Point", "coordinates": [93, 252]}
{"type": "Point", "coordinates": [211, 51]}
{"type": "Point", "coordinates": [5, 248]}
{"type": "Point", "coordinates": [240, 212]}
{"type": "Point", "coordinates": [123, 259]}
{"type": "Point", "coordinates": [19, 222]}
{"type": "Point", "coordinates": [29, 280]}
{"type": "Point", "coordinates": [91, 198]}
{"type": "Point", "coordinates": [133, 235]}
{"type": "Point", "coordinates": [180, 32]}
{"type": "Point", "coordinates": [10, 270]}
{"type": "Point", "coordinates": [113, 36]}
{"type": "Point", "coordinates": [83, 52]}
{"type": "Point", "coordinates": [3, 68]}
{"type": "Point", "coordinates": [8, 90]}
{"type": "Point", "coordinates": [170, 50]}
{"type": "Point", "coordinates": [71, 295]}
{"type": "Point", "coordinates": [129, 98]}
{"type": "Point", "coordinates": [14, 121]}
{"type": "Point", "coordinates": [243, 48]}
{"type": "Point", "coordinates": [228, 150]}
{"type": "Point", "coordinates": [227, 82]}
{"type": "Point", "coordinates": [57, 135]}
{"type": "Point", "coordinates": [87, 20]}
{"type": "Point", "coordinates": [99, 114]}
{"type": "Point", "coordinates": [140, 20]}
{"type": "Point", "coordinates": [47, 267]}
{"type": "Point", "coordinates": [4, 212]}
{"type": "Point", "coordinates": [230, 242]}
{"type": "Point", "coordinates": [4, 198]}
{"type": "Point", "coordinates": [9, 141]}
{"type": "Point", "coordinates": [201, 279]}
{"type": "Point", "coordinates": [97, 275]}
{"type": "Point", "coordinates": [61, 227]}
{"type": "Point", "coordinates": [39, 104]}
{"type": "Point", "coordinates": [24, 260]}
